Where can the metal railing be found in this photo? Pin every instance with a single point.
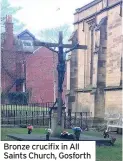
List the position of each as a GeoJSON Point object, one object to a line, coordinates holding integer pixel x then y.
{"type": "Point", "coordinates": [40, 115]}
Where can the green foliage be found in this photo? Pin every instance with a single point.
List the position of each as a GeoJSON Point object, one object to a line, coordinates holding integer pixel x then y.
{"type": "Point", "coordinates": [51, 34]}
{"type": "Point", "coordinates": [7, 9]}
{"type": "Point", "coordinates": [18, 98]}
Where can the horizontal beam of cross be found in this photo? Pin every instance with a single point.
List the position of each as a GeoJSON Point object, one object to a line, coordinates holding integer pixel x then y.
{"type": "Point", "coordinates": [39, 43]}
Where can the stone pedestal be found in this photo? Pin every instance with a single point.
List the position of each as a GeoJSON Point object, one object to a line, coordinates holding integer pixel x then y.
{"type": "Point", "coordinates": [56, 129]}
{"type": "Point", "coordinates": [98, 121]}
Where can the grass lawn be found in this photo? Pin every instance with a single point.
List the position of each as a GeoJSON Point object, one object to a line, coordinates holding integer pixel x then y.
{"type": "Point", "coordinates": [6, 131]}
{"type": "Point", "coordinates": [103, 153]}
{"type": "Point", "coordinates": [107, 153]}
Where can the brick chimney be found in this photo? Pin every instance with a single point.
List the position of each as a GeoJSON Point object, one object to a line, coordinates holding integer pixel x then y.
{"type": "Point", "coordinates": [9, 38]}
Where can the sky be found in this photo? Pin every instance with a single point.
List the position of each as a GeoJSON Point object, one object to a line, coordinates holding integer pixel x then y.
{"type": "Point", "coordinates": [40, 14]}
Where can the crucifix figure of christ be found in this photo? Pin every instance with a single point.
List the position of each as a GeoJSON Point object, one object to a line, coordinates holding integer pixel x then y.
{"type": "Point", "coordinates": [61, 67]}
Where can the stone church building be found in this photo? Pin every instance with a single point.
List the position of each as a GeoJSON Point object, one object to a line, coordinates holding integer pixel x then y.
{"type": "Point", "coordinates": [94, 76]}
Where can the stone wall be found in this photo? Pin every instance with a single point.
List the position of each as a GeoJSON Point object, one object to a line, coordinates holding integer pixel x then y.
{"type": "Point", "coordinates": [85, 102]}
{"type": "Point", "coordinates": [106, 69]}
{"type": "Point", "coordinates": [113, 102]}
{"type": "Point", "coordinates": [114, 47]}
{"type": "Point", "coordinates": [111, 2]}
{"type": "Point", "coordinates": [113, 98]}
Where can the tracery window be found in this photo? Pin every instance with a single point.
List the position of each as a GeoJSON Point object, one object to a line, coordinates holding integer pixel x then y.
{"type": "Point", "coordinates": [91, 23]}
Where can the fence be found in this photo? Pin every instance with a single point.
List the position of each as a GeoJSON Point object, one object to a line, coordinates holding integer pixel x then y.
{"type": "Point", "coordinates": [35, 114]}
{"type": "Point", "coordinates": [80, 119]}
{"type": "Point", "coordinates": [40, 115]}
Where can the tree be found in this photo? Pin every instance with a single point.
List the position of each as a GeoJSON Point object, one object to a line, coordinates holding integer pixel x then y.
{"type": "Point", "coordinates": [7, 9]}
{"type": "Point", "coordinates": [51, 34]}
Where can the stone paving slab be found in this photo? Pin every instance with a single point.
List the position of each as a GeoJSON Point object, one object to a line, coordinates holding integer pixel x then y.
{"type": "Point", "coordinates": [37, 137]}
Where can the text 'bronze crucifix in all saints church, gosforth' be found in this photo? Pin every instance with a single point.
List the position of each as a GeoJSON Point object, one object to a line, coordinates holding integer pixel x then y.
{"type": "Point", "coordinates": [61, 67]}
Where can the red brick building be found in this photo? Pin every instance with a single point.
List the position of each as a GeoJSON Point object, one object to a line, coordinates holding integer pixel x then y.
{"type": "Point", "coordinates": [12, 62]}
{"type": "Point", "coordinates": [40, 68]}
{"type": "Point", "coordinates": [26, 68]}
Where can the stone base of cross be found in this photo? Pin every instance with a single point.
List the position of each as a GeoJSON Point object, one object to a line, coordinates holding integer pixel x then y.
{"type": "Point", "coordinates": [57, 128]}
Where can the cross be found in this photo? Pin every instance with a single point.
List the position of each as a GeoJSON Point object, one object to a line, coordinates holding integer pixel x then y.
{"type": "Point", "coordinates": [61, 65]}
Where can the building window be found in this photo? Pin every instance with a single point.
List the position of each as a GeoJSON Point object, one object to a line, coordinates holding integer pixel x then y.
{"type": "Point", "coordinates": [92, 50]}
{"type": "Point", "coordinates": [92, 43]}
{"type": "Point", "coordinates": [105, 3]}
{"type": "Point", "coordinates": [91, 23]}
{"type": "Point", "coordinates": [121, 70]}
{"type": "Point", "coordinates": [27, 43]}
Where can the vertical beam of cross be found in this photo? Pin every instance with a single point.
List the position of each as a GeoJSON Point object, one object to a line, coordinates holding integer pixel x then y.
{"type": "Point", "coordinates": [61, 73]}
